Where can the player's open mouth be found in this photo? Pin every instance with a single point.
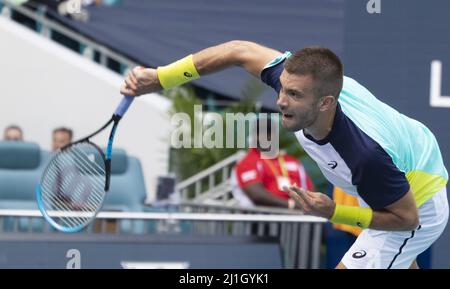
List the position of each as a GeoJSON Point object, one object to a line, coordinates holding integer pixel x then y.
{"type": "Point", "coordinates": [287, 116]}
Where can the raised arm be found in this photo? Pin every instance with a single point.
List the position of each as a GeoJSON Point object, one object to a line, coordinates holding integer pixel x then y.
{"type": "Point", "coordinates": [249, 55]}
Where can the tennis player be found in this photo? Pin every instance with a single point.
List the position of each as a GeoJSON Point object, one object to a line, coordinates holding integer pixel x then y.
{"type": "Point", "coordinates": [392, 163]}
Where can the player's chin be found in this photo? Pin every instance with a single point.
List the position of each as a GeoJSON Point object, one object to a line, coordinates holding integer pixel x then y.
{"type": "Point", "coordinates": [290, 123]}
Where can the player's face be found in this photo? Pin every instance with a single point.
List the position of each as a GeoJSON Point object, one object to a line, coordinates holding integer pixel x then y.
{"type": "Point", "coordinates": [298, 105]}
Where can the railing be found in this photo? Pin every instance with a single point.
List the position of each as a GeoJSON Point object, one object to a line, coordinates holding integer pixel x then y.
{"type": "Point", "coordinates": [299, 236]}
{"type": "Point", "coordinates": [203, 185]}
{"type": "Point", "coordinates": [295, 239]}
{"type": "Point", "coordinates": [46, 26]}
{"type": "Point", "coordinates": [192, 206]}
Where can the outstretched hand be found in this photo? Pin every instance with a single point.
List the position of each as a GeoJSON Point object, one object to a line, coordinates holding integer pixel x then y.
{"type": "Point", "coordinates": [140, 81]}
{"type": "Point", "coordinates": [312, 203]}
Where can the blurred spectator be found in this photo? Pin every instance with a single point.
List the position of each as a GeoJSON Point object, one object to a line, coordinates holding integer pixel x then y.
{"type": "Point", "coordinates": [61, 137]}
{"type": "Point", "coordinates": [259, 181]}
{"type": "Point", "coordinates": [13, 133]}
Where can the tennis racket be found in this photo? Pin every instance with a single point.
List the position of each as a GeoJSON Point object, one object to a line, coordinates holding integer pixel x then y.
{"type": "Point", "coordinates": [74, 183]}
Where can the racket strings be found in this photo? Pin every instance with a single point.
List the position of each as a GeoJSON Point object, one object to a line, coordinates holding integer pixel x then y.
{"type": "Point", "coordinates": [73, 185]}
{"type": "Point", "coordinates": [67, 163]}
{"type": "Point", "coordinates": [73, 201]}
{"type": "Point", "coordinates": [66, 181]}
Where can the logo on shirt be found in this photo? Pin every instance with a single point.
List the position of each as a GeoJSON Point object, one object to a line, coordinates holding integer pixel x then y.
{"type": "Point", "coordinates": [188, 74]}
{"type": "Point", "coordinates": [359, 254]}
{"type": "Point", "coordinates": [249, 175]}
{"type": "Point", "coordinates": [333, 164]}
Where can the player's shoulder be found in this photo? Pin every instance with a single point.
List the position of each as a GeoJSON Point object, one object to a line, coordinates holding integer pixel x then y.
{"type": "Point", "coordinates": [352, 88]}
{"type": "Point", "coordinates": [278, 60]}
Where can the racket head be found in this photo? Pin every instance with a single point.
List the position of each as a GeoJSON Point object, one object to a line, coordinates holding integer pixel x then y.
{"type": "Point", "coordinates": [72, 189]}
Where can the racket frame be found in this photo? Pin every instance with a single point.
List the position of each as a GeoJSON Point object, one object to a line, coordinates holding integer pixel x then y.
{"type": "Point", "coordinates": [107, 161]}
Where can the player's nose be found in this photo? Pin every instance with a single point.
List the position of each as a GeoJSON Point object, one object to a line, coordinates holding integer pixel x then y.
{"type": "Point", "coordinates": [282, 101]}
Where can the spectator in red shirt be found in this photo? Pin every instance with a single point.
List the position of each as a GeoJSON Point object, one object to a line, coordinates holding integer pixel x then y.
{"type": "Point", "coordinates": [259, 181]}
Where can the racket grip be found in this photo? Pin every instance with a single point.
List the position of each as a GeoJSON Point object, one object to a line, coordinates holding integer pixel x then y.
{"type": "Point", "coordinates": [123, 105]}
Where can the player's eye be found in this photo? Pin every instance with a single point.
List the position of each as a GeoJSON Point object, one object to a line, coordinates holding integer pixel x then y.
{"type": "Point", "coordinates": [293, 94]}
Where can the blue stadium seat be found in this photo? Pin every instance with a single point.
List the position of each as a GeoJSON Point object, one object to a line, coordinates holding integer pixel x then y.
{"type": "Point", "coordinates": [21, 164]}
{"type": "Point", "coordinates": [127, 191]}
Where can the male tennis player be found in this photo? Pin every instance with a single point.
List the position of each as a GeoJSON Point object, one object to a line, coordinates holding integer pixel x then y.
{"type": "Point", "coordinates": [391, 162]}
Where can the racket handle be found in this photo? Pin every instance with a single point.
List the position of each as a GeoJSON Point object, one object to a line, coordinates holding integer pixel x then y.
{"type": "Point", "coordinates": [124, 105]}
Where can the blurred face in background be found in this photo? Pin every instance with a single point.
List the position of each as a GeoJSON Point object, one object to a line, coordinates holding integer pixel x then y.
{"type": "Point", "coordinates": [13, 134]}
{"type": "Point", "coordinates": [60, 139]}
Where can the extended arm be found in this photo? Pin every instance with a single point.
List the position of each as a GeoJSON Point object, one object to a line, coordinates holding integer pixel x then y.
{"type": "Point", "coordinates": [401, 215]}
{"type": "Point", "coordinates": [249, 55]}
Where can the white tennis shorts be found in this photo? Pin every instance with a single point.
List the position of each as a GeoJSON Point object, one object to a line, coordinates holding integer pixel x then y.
{"type": "Point", "coordinates": [397, 250]}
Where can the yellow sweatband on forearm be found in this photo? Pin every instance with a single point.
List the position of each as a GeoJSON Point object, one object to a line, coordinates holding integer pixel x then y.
{"type": "Point", "coordinates": [353, 216]}
{"type": "Point", "coordinates": [177, 73]}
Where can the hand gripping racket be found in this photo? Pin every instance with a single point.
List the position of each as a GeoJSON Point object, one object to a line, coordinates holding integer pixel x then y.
{"type": "Point", "coordinates": [74, 183]}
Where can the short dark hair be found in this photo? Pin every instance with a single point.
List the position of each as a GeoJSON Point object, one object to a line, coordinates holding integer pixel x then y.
{"type": "Point", "coordinates": [65, 130]}
{"type": "Point", "coordinates": [13, 126]}
{"type": "Point", "coordinates": [322, 65]}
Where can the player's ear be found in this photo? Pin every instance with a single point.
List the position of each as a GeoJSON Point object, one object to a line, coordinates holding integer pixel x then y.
{"type": "Point", "coordinates": [327, 102]}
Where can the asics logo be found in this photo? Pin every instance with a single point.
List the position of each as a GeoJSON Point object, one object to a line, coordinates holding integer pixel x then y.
{"type": "Point", "coordinates": [359, 254]}
{"type": "Point", "coordinates": [333, 164]}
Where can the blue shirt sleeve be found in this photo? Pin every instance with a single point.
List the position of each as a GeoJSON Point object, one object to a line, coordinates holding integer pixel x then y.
{"type": "Point", "coordinates": [270, 74]}
{"type": "Point", "coordinates": [379, 182]}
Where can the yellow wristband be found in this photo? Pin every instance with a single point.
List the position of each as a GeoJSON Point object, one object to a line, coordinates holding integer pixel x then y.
{"type": "Point", "coordinates": [177, 73]}
{"type": "Point", "coordinates": [353, 216]}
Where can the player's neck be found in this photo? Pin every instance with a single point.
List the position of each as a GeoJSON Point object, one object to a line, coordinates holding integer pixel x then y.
{"type": "Point", "coordinates": [322, 126]}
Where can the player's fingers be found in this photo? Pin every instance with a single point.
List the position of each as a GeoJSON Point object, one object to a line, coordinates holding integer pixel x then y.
{"type": "Point", "coordinates": [310, 194]}
{"type": "Point", "coordinates": [298, 200]}
{"type": "Point", "coordinates": [304, 194]}
{"type": "Point", "coordinates": [132, 77]}
{"type": "Point", "coordinates": [125, 90]}
{"type": "Point", "coordinates": [135, 72]}
{"type": "Point", "coordinates": [130, 84]}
